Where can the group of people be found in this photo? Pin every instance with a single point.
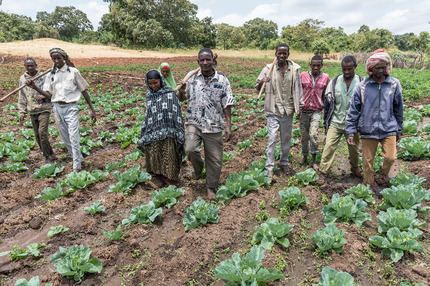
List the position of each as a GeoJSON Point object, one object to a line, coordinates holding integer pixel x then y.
{"type": "Point", "coordinates": [352, 106]}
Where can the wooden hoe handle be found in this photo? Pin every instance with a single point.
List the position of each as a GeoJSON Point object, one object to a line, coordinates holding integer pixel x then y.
{"type": "Point", "coordinates": [22, 86]}
{"type": "Point", "coordinates": [264, 83]}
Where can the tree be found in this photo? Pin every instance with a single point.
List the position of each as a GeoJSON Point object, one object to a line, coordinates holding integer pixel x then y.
{"type": "Point", "coordinates": [302, 35]}
{"type": "Point", "coordinates": [68, 21]}
{"type": "Point", "coordinates": [257, 30]}
{"type": "Point", "coordinates": [337, 39]}
{"type": "Point", "coordinates": [223, 35]}
{"type": "Point", "coordinates": [205, 33]}
{"type": "Point", "coordinates": [320, 47]}
{"type": "Point", "coordinates": [43, 30]}
{"type": "Point", "coordinates": [404, 42]}
{"type": "Point", "coordinates": [16, 27]}
{"type": "Point", "coordinates": [370, 40]}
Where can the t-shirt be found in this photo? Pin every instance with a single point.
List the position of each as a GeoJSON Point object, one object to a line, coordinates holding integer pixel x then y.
{"type": "Point", "coordinates": [342, 101]}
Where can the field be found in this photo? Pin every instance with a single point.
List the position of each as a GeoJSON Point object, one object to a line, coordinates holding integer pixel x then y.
{"type": "Point", "coordinates": [162, 252]}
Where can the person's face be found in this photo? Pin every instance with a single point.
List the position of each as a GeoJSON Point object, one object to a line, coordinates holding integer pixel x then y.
{"type": "Point", "coordinates": [30, 66]}
{"type": "Point", "coordinates": [165, 72]}
{"type": "Point", "coordinates": [282, 54]}
{"type": "Point", "coordinates": [206, 62]}
{"type": "Point", "coordinates": [154, 84]}
{"type": "Point", "coordinates": [58, 60]}
{"type": "Point", "coordinates": [316, 66]}
{"type": "Point", "coordinates": [378, 71]}
{"type": "Point", "coordinates": [348, 70]}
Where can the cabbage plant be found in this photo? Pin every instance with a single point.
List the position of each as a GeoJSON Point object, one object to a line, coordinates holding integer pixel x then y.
{"type": "Point", "coordinates": [345, 209]}
{"type": "Point", "coordinates": [329, 238]}
{"type": "Point", "coordinates": [272, 231]}
{"type": "Point", "coordinates": [331, 277]}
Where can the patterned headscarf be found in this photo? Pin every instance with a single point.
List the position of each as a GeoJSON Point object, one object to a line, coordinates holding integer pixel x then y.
{"type": "Point", "coordinates": [63, 54]}
{"type": "Point", "coordinates": [170, 81]}
{"type": "Point", "coordinates": [378, 56]}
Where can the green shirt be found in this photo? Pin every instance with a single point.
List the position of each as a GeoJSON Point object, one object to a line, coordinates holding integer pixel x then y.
{"type": "Point", "coordinates": [342, 101]}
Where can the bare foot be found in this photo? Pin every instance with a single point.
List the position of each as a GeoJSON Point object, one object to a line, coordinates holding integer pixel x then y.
{"type": "Point", "coordinates": [315, 166]}
{"type": "Point", "coordinates": [211, 194]}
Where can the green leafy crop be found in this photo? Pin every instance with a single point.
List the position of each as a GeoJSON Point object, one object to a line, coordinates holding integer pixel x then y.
{"type": "Point", "coordinates": [248, 270]}
{"type": "Point", "coordinates": [34, 281]}
{"type": "Point", "coordinates": [20, 253]}
{"type": "Point", "coordinates": [345, 209]}
{"type": "Point", "coordinates": [404, 220]}
{"type": "Point", "coordinates": [143, 214]}
{"type": "Point", "coordinates": [306, 177]}
{"type": "Point", "coordinates": [200, 213]}
{"type": "Point", "coordinates": [292, 198]}
{"type": "Point", "coordinates": [331, 277]}
{"type": "Point", "coordinates": [329, 238]}
{"type": "Point", "coordinates": [48, 170]}
{"type": "Point", "coordinates": [405, 197]}
{"type": "Point", "coordinates": [53, 230]}
{"type": "Point", "coordinates": [129, 179]}
{"type": "Point", "coordinates": [414, 148]}
{"type": "Point", "coordinates": [116, 234]}
{"type": "Point", "coordinates": [78, 180]}
{"type": "Point", "coordinates": [406, 179]}
{"type": "Point", "coordinates": [236, 186]}
{"type": "Point", "coordinates": [396, 242]}
{"type": "Point", "coordinates": [167, 196]}
{"type": "Point", "coordinates": [15, 167]}
{"type": "Point", "coordinates": [361, 192]}
{"type": "Point", "coordinates": [95, 208]}
{"type": "Point", "coordinates": [74, 262]}
{"type": "Point", "coordinates": [51, 194]}
{"type": "Point", "coordinates": [272, 231]}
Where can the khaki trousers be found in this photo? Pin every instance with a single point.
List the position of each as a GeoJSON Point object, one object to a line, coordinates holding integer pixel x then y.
{"type": "Point", "coordinates": [332, 140]}
{"type": "Point", "coordinates": [213, 148]}
{"type": "Point", "coordinates": [40, 122]}
{"type": "Point", "coordinates": [369, 146]}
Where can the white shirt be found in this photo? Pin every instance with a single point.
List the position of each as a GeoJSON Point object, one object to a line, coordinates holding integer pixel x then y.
{"type": "Point", "coordinates": [66, 84]}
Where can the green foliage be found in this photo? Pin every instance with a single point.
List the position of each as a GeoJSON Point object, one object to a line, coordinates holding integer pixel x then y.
{"type": "Point", "coordinates": [331, 277]}
{"type": "Point", "coordinates": [74, 262]}
{"type": "Point", "coordinates": [200, 213]}
{"type": "Point", "coordinates": [396, 242]}
{"type": "Point", "coordinates": [14, 167]}
{"type": "Point", "coordinates": [27, 133]}
{"type": "Point", "coordinates": [95, 207]}
{"type": "Point", "coordinates": [51, 194]}
{"type": "Point", "coordinates": [404, 197]}
{"type": "Point", "coordinates": [406, 179]}
{"type": "Point", "coordinates": [99, 174]}
{"type": "Point", "coordinates": [115, 165]}
{"type": "Point", "coordinates": [143, 214]}
{"type": "Point", "coordinates": [345, 209]}
{"type": "Point", "coordinates": [361, 192]}
{"type": "Point", "coordinates": [21, 253]}
{"type": "Point", "coordinates": [48, 170]}
{"type": "Point", "coordinates": [320, 47]}
{"type": "Point", "coordinates": [236, 186]}
{"type": "Point", "coordinates": [248, 270]}
{"type": "Point", "coordinates": [34, 281]}
{"type": "Point", "coordinates": [412, 114]}
{"type": "Point", "coordinates": [134, 156]}
{"type": "Point", "coordinates": [272, 231]}
{"type": "Point", "coordinates": [84, 130]}
{"type": "Point", "coordinates": [329, 238]}
{"type": "Point", "coordinates": [245, 144]}
{"type": "Point", "coordinates": [425, 110]}
{"type": "Point", "coordinates": [306, 177]}
{"type": "Point", "coordinates": [262, 132]}
{"type": "Point", "coordinates": [53, 230]}
{"type": "Point", "coordinates": [107, 136]}
{"type": "Point", "coordinates": [167, 196]}
{"type": "Point", "coordinates": [116, 234]}
{"type": "Point", "coordinates": [403, 219]}
{"type": "Point", "coordinates": [414, 148]}
{"type": "Point", "coordinates": [129, 179]}
{"type": "Point", "coordinates": [78, 180]}
{"type": "Point", "coordinates": [226, 157]}
{"type": "Point", "coordinates": [292, 198]}
{"type": "Point", "coordinates": [410, 127]}
{"type": "Point", "coordinates": [426, 129]}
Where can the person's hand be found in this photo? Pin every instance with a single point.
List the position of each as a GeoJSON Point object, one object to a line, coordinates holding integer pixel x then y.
{"type": "Point", "coordinates": [227, 134]}
{"type": "Point", "coordinates": [398, 137]}
{"type": "Point", "coordinates": [30, 83]}
{"type": "Point", "coordinates": [299, 115]}
{"type": "Point", "coordinates": [183, 85]}
{"type": "Point", "coordinates": [266, 79]}
{"type": "Point", "coordinates": [93, 116]}
{"type": "Point", "coordinates": [350, 141]}
{"type": "Point", "coordinates": [21, 119]}
{"type": "Point", "coordinates": [39, 98]}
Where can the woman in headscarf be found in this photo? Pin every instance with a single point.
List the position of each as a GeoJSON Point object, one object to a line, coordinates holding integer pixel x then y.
{"type": "Point", "coordinates": [165, 70]}
{"type": "Point", "coordinates": [162, 135]}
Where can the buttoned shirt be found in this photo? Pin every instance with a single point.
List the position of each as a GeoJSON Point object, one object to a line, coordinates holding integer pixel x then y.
{"type": "Point", "coordinates": [313, 90]}
{"type": "Point", "coordinates": [207, 101]}
{"type": "Point", "coordinates": [65, 85]}
{"type": "Point", "coordinates": [343, 100]}
{"type": "Point", "coordinates": [283, 89]}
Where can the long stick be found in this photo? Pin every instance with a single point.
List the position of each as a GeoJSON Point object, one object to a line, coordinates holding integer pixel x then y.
{"type": "Point", "coordinates": [186, 79]}
{"type": "Point", "coordinates": [22, 86]}
{"type": "Point", "coordinates": [264, 83]}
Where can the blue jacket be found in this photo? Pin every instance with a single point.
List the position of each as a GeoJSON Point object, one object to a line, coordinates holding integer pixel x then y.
{"type": "Point", "coordinates": [376, 110]}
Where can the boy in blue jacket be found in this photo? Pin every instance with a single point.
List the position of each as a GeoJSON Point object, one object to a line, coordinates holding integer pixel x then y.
{"type": "Point", "coordinates": [376, 112]}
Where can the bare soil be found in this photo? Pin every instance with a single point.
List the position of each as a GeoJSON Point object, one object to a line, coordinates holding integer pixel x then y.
{"type": "Point", "coordinates": [163, 253]}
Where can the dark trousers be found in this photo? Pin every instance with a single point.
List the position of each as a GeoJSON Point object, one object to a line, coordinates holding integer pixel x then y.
{"type": "Point", "coordinates": [40, 123]}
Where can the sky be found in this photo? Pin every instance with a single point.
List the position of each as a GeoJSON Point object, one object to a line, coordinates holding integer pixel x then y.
{"type": "Point", "coordinates": [397, 16]}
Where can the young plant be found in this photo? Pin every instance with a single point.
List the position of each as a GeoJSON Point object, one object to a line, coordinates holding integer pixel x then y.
{"type": "Point", "coordinates": [51, 194]}
{"type": "Point", "coordinates": [21, 253]}
{"type": "Point", "coordinates": [272, 231]}
{"type": "Point", "coordinates": [53, 230]}
{"type": "Point", "coordinates": [129, 179]}
{"type": "Point", "coordinates": [292, 198]}
{"type": "Point", "coordinates": [414, 148]}
{"type": "Point", "coordinates": [236, 186]}
{"type": "Point", "coordinates": [345, 209]}
{"type": "Point", "coordinates": [74, 262]}
{"type": "Point", "coordinates": [247, 270]}
{"type": "Point", "coordinates": [143, 214]}
{"type": "Point", "coordinates": [14, 167]}
{"type": "Point", "coordinates": [95, 208]}
{"type": "Point", "coordinates": [410, 127]}
{"type": "Point", "coordinates": [361, 192]}
{"type": "Point", "coordinates": [405, 197]}
{"type": "Point", "coordinates": [34, 281]}
{"type": "Point", "coordinates": [396, 242]}
{"type": "Point", "coordinates": [259, 176]}
{"type": "Point", "coordinates": [200, 213]}
{"type": "Point", "coordinates": [331, 277]}
{"type": "Point", "coordinates": [306, 177]}
{"type": "Point", "coordinates": [167, 196]}
{"type": "Point", "coordinates": [404, 220]}
{"type": "Point", "coordinates": [329, 238]}
{"type": "Point", "coordinates": [116, 165]}
{"type": "Point", "coordinates": [134, 156]}
{"type": "Point", "coordinates": [406, 179]}
{"type": "Point", "coordinates": [48, 170]}
{"type": "Point", "coordinates": [78, 180]}
{"type": "Point", "coordinates": [116, 235]}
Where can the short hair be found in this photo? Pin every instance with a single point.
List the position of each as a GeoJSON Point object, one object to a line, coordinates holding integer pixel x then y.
{"type": "Point", "coordinates": [30, 59]}
{"type": "Point", "coordinates": [317, 58]}
{"type": "Point", "coordinates": [206, 50]}
{"type": "Point", "coordinates": [283, 45]}
{"type": "Point", "coordinates": [348, 59]}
